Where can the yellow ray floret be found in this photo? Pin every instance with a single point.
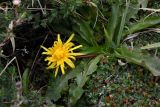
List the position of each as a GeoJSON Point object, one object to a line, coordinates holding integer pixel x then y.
{"type": "Point", "coordinates": [61, 54]}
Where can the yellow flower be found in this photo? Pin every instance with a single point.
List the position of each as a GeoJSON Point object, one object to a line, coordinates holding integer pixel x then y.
{"type": "Point", "coordinates": [60, 54]}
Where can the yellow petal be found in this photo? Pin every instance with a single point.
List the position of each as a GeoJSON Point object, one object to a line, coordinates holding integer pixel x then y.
{"type": "Point", "coordinates": [76, 54]}
{"type": "Point", "coordinates": [49, 63]}
{"type": "Point", "coordinates": [76, 47]}
{"type": "Point", "coordinates": [62, 69]}
{"type": "Point", "coordinates": [69, 62]}
{"type": "Point", "coordinates": [46, 59]}
{"type": "Point", "coordinates": [46, 53]}
{"type": "Point", "coordinates": [68, 45]}
{"type": "Point", "coordinates": [44, 48]}
{"type": "Point", "coordinates": [56, 72]}
{"type": "Point", "coordinates": [72, 57]}
{"type": "Point", "coordinates": [70, 38]}
{"type": "Point", "coordinates": [59, 39]}
{"type": "Point", "coordinates": [51, 66]}
{"type": "Point", "coordinates": [60, 62]}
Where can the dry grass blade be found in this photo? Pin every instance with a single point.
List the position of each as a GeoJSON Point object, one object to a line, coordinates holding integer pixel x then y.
{"type": "Point", "coordinates": [41, 7]}
{"type": "Point", "coordinates": [32, 3]}
{"type": "Point", "coordinates": [132, 36]}
{"type": "Point", "coordinates": [38, 53]}
{"type": "Point", "coordinates": [151, 46]}
{"type": "Point", "coordinates": [7, 65]}
{"type": "Point", "coordinates": [14, 58]}
{"type": "Point", "coordinates": [150, 9]}
{"type": "Point", "coordinates": [13, 43]}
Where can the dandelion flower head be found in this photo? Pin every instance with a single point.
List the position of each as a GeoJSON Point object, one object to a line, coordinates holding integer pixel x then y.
{"type": "Point", "coordinates": [61, 54]}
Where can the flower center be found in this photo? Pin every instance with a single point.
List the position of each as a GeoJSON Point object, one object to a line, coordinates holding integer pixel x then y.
{"type": "Point", "coordinates": [60, 53]}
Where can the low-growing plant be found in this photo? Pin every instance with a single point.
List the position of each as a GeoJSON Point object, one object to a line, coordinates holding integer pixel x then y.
{"type": "Point", "coordinates": [102, 28]}
{"type": "Point", "coordinates": [115, 31]}
{"type": "Point", "coordinates": [109, 44]}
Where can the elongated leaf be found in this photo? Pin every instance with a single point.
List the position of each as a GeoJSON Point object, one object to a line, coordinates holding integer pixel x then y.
{"type": "Point", "coordinates": [149, 22]}
{"type": "Point", "coordinates": [151, 63]}
{"type": "Point", "coordinates": [108, 38]}
{"type": "Point", "coordinates": [92, 50]}
{"type": "Point", "coordinates": [122, 24]}
{"type": "Point", "coordinates": [113, 21]}
{"type": "Point", "coordinates": [77, 91]}
{"type": "Point", "coordinates": [150, 46]}
{"type": "Point", "coordinates": [86, 33]}
{"type": "Point", "coordinates": [90, 68]}
{"type": "Point", "coordinates": [25, 81]}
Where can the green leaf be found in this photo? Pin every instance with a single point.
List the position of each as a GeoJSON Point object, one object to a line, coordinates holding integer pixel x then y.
{"type": "Point", "coordinates": [151, 46]}
{"type": "Point", "coordinates": [81, 80]}
{"type": "Point", "coordinates": [122, 24]}
{"type": "Point", "coordinates": [143, 24]}
{"type": "Point", "coordinates": [108, 39]}
{"type": "Point", "coordinates": [92, 50]}
{"type": "Point", "coordinates": [60, 84]}
{"type": "Point", "coordinates": [152, 63]}
{"type": "Point", "coordinates": [113, 21]}
{"type": "Point", "coordinates": [86, 33]}
{"type": "Point", "coordinates": [75, 94]}
{"type": "Point", "coordinates": [128, 54]}
{"type": "Point", "coordinates": [77, 91]}
{"type": "Point", "coordinates": [25, 81]}
{"type": "Point", "coordinates": [90, 68]}
{"type": "Point", "coordinates": [93, 65]}
{"type": "Point", "coordinates": [146, 61]}
{"type": "Point", "coordinates": [55, 89]}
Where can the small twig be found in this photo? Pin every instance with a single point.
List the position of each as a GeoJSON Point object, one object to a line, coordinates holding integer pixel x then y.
{"type": "Point", "coordinates": [86, 56]}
